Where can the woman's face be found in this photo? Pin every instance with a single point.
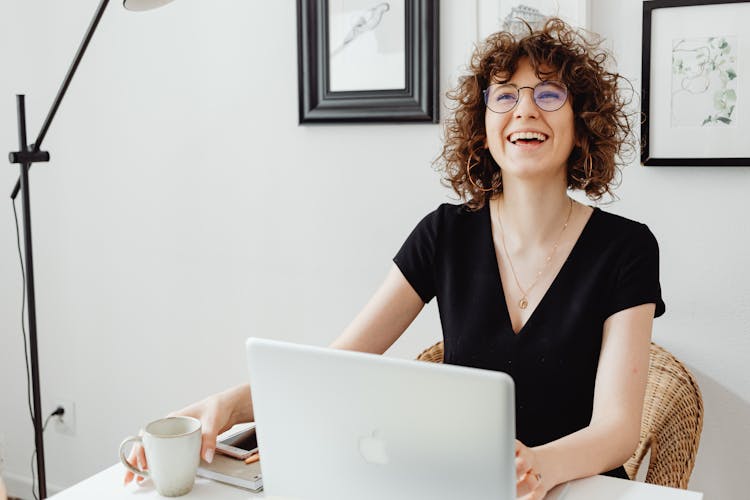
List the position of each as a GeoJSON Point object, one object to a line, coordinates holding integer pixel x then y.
{"type": "Point", "coordinates": [530, 158]}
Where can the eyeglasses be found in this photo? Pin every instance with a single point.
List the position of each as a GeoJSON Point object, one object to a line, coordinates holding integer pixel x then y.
{"type": "Point", "coordinates": [548, 96]}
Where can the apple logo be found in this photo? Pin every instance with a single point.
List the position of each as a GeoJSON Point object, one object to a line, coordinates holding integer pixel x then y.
{"type": "Point", "coordinates": [372, 449]}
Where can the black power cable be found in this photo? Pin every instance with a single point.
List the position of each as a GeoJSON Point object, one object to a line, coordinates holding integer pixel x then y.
{"type": "Point", "coordinates": [23, 312]}
{"type": "Point", "coordinates": [59, 411]}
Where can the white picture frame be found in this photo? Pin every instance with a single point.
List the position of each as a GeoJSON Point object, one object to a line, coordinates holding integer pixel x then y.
{"type": "Point", "coordinates": [695, 95]}
{"type": "Point", "coordinates": [492, 13]}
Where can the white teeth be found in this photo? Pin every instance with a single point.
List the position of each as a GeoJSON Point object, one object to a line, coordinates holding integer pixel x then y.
{"type": "Point", "coordinates": [527, 135]}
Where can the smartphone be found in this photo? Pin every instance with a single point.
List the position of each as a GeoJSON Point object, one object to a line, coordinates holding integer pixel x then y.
{"type": "Point", "coordinates": [239, 442]}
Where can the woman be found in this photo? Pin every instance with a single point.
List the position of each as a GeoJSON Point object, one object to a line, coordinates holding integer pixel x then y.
{"type": "Point", "coordinates": [559, 295]}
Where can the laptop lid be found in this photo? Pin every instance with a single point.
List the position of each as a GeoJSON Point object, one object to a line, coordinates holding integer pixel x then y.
{"type": "Point", "coordinates": [337, 424]}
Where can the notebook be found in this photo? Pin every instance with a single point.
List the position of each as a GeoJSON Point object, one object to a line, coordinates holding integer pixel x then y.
{"type": "Point", "coordinates": [231, 470]}
{"type": "Point", "coordinates": [339, 425]}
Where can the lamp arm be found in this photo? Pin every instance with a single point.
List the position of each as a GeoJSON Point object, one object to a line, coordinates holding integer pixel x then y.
{"type": "Point", "coordinates": [35, 148]}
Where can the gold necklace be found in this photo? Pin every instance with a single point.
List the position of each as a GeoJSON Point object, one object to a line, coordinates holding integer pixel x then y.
{"type": "Point", "coordinates": [524, 302]}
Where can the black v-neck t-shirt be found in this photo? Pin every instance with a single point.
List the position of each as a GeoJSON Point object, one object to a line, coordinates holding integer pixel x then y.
{"type": "Point", "coordinates": [553, 359]}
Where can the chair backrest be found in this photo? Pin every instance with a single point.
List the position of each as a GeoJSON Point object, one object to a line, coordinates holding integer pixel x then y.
{"type": "Point", "coordinates": [433, 354]}
{"type": "Point", "coordinates": [671, 422]}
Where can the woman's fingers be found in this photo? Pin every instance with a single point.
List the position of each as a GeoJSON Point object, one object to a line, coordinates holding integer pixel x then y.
{"type": "Point", "coordinates": [534, 495]}
{"type": "Point", "coordinates": [529, 483]}
{"type": "Point", "coordinates": [137, 459]}
{"type": "Point", "coordinates": [208, 445]}
{"type": "Point", "coordinates": [207, 411]}
{"type": "Point", "coordinates": [523, 486]}
{"type": "Point", "coordinates": [141, 459]}
{"type": "Point", "coordinates": [528, 480]}
{"type": "Point", "coordinates": [524, 460]}
{"type": "Point", "coordinates": [522, 467]}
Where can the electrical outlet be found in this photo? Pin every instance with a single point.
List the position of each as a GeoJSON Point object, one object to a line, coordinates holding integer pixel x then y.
{"type": "Point", "coordinates": [65, 423]}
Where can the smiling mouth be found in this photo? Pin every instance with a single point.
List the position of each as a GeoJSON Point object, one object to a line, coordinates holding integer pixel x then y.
{"type": "Point", "coordinates": [527, 138]}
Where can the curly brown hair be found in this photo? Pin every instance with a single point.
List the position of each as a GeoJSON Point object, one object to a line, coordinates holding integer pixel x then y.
{"type": "Point", "coordinates": [603, 131]}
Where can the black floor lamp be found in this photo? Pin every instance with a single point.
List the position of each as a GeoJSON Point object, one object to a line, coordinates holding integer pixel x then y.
{"type": "Point", "coordinates": [27, 155]}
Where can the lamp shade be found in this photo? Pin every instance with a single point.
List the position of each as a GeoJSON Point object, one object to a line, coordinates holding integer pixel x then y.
{"type": "Point", "coordinates": [144, 4]}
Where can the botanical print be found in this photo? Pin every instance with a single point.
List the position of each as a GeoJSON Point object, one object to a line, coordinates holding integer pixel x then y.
{"type": "Point", "coordinates": [704, 81]}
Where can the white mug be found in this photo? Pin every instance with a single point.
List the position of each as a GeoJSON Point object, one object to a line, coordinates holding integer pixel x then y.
{"type": "Point", "coordinates": [172, 448]}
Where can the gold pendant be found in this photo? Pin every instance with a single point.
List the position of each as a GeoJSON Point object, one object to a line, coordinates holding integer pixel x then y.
{"type": "Point", "coordinates": [523, 303]}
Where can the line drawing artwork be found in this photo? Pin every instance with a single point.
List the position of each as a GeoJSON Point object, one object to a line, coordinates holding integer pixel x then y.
{"type": "Point", "coordinates": [366, 45]}
{"type": "Point", "coordinates": [511, 15]}
{"type": "Point", "coordinates": [366, 22]}
{"type": "Point", "coordinates": [704, 81]}
{"type": "Point", "coordinates": [514, 21]}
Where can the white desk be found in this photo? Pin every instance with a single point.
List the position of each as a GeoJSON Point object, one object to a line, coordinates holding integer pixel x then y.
{"type": "Point", "coordinates": [108, 484]}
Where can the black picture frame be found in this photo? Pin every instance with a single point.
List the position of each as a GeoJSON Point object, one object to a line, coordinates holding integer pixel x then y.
{"type": "Point", "coordinates": [646, 77]}
{"type": "Point", "coordinates": [417, 102]}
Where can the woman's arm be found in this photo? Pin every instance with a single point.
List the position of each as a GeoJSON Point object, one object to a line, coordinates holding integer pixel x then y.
{"type": "Point", "coordinates": [380, 323]}
{"type": "Point", "coordinates": [385, 317]}
{"type": "Point", "coordinates": [613, 434]}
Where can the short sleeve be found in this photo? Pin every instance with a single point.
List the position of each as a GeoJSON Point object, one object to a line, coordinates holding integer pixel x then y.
{"type": "Point", "coordinates": [416, 258]}
{"type": "Point", "coordinates": [637, 274]}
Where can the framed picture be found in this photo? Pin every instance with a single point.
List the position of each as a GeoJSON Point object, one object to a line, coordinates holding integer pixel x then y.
{"type": "Point", "coordinates": [695, 93]}
{"type": "Point", "coordinates": [367, 60]}
{"type": "Point", "coordinates": [496, 15]}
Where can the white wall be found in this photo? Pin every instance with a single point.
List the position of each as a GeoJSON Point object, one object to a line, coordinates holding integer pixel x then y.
{"type": "Point", "coordinates": [699, 217]}
{"type": "Point", "coordinates": [184, 209]}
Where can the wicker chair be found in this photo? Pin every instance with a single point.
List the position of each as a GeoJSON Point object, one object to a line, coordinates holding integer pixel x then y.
{"type": "Point", "coordinates": [671, 423]}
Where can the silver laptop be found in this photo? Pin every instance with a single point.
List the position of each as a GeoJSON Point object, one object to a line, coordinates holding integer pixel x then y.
{"type": "Point", "coordinates": [341, 425]}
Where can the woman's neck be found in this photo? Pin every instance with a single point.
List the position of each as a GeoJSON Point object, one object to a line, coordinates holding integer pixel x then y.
{"type": "Point", "coordinates": [532, 215]}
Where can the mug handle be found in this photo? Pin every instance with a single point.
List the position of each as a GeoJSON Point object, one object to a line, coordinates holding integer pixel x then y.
{"type": "Point", "coordinates": [124, 460]}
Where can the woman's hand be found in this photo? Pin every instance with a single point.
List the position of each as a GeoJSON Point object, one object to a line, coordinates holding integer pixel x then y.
{"type": "Point", "coordinates": [530, 484]}
{"type": "Point", "coordinates": [217, 414]}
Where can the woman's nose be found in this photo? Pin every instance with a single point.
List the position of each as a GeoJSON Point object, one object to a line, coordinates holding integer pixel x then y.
{"type": "Point", "coordinates": [526, 105]}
